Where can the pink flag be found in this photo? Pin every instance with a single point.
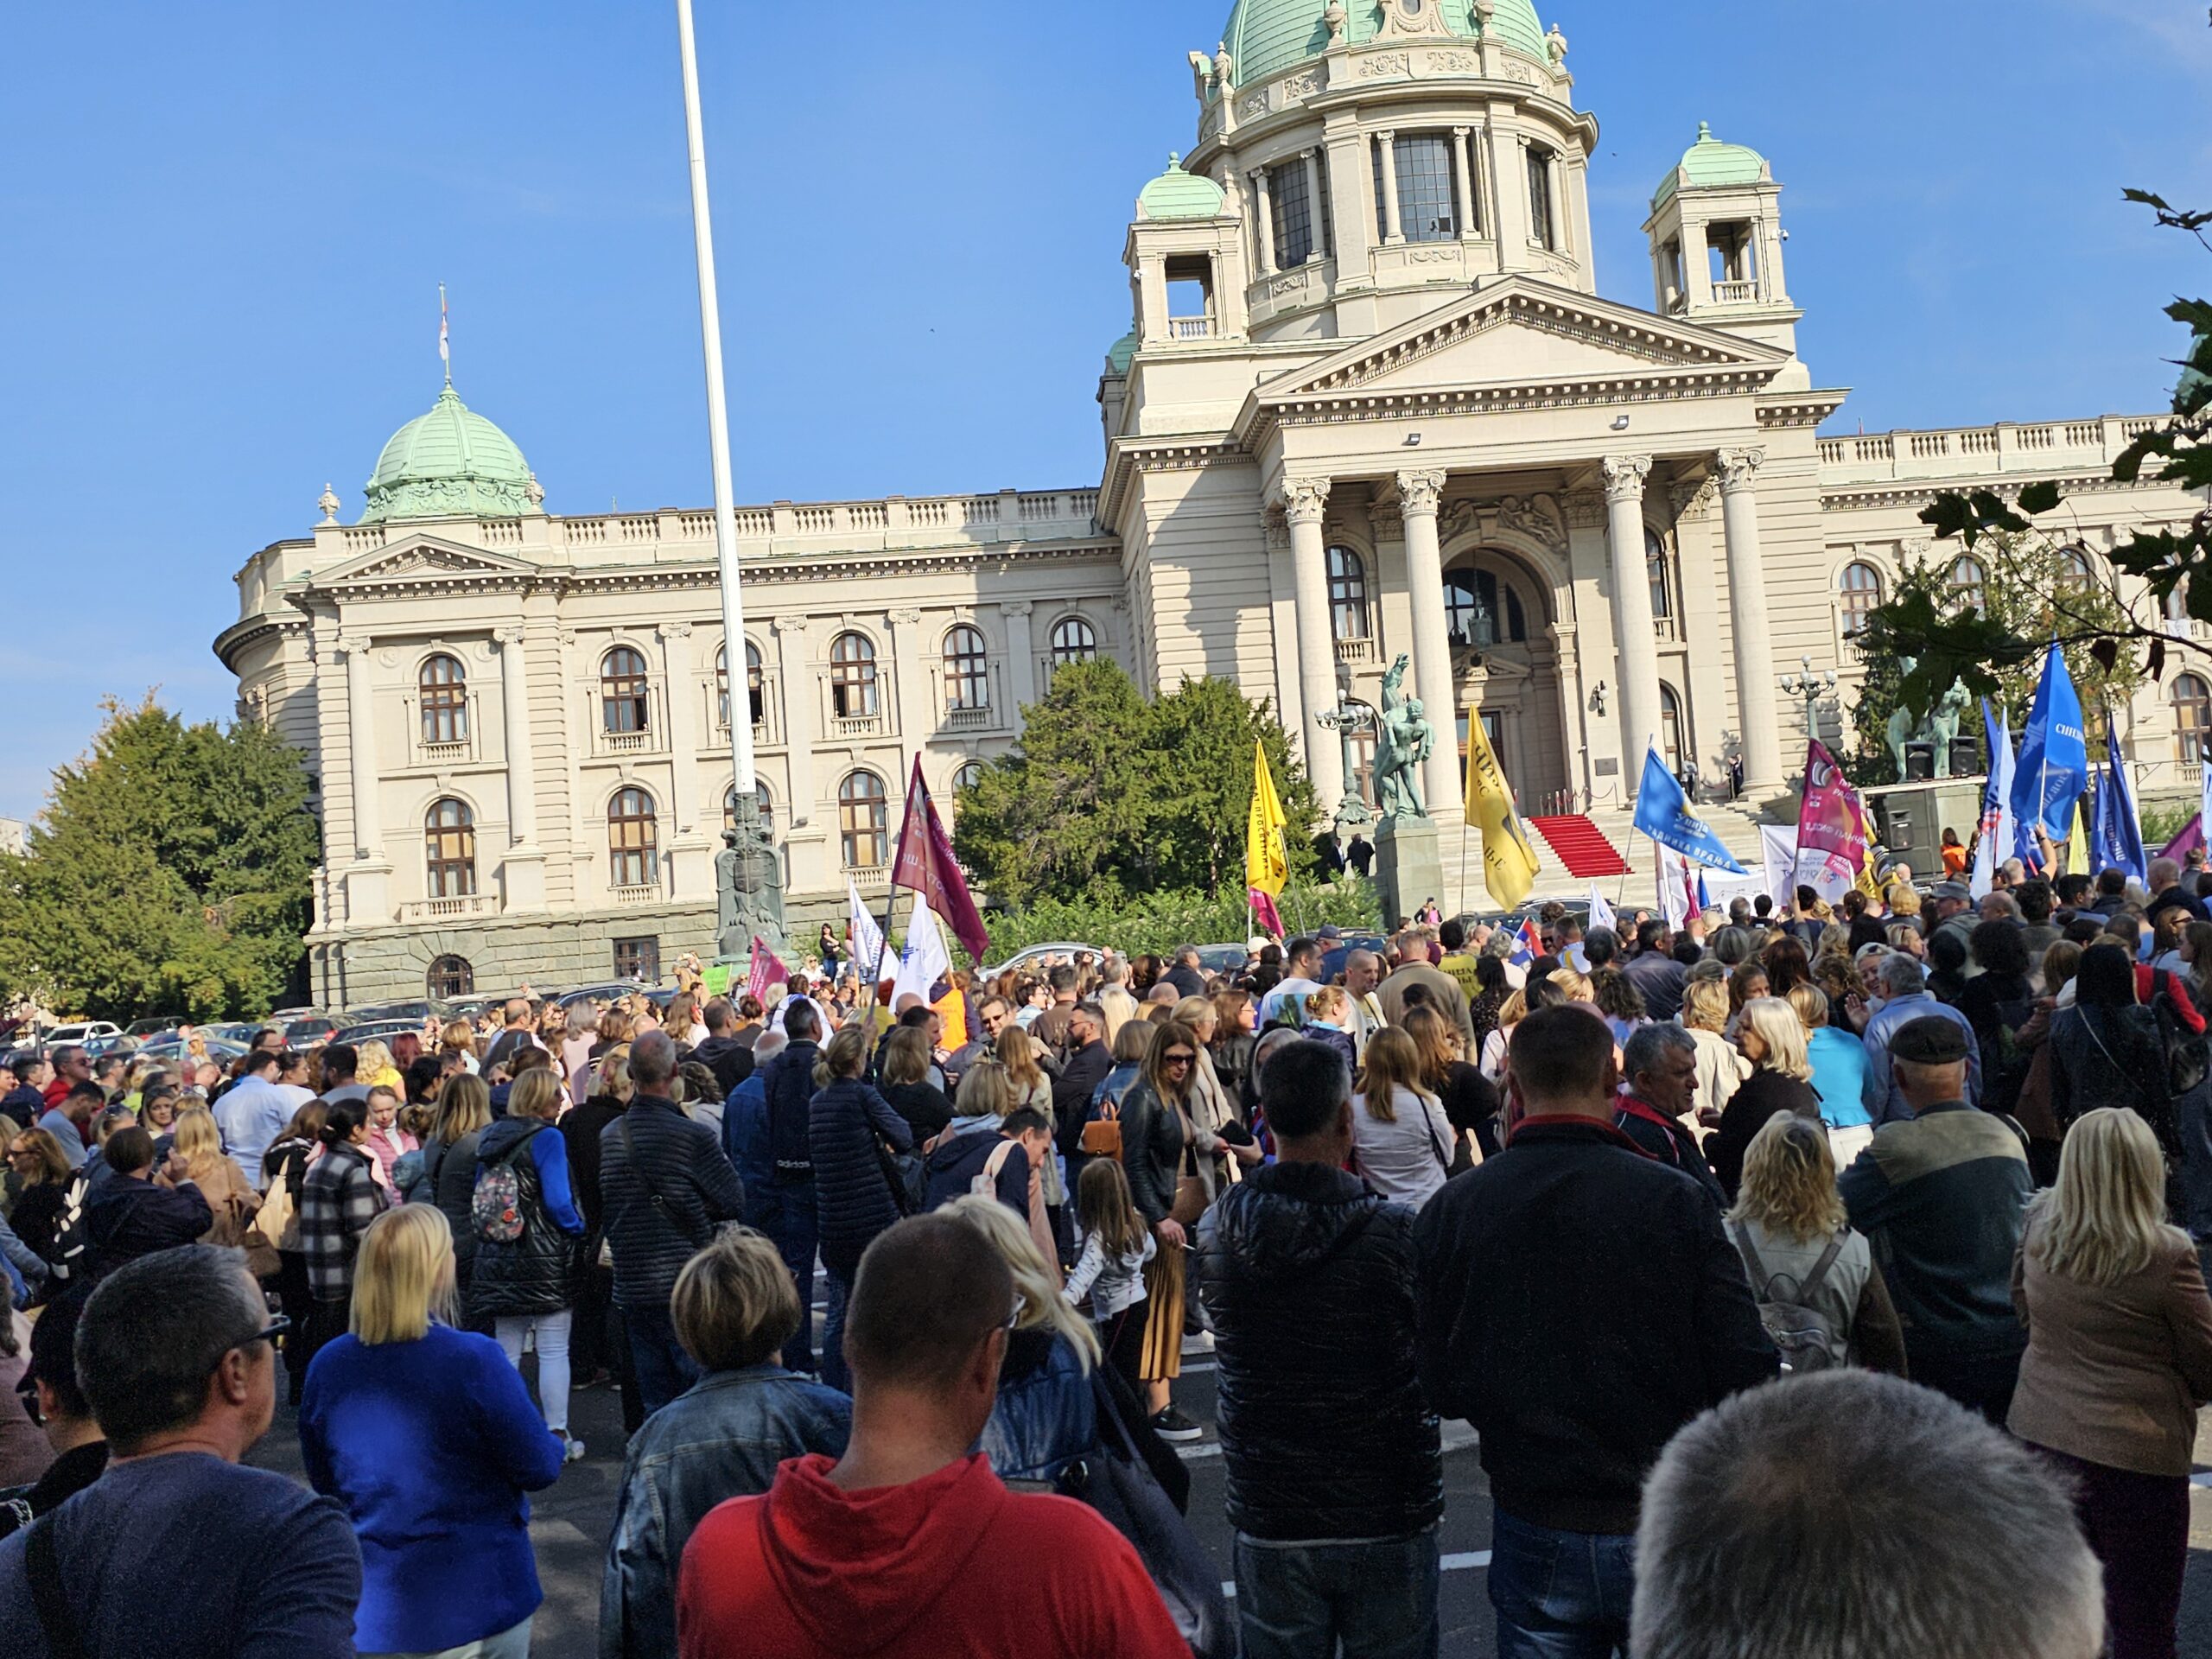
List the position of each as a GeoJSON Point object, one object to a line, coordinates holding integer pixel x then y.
{"type": "Point", "coordinates": [1831, 829]}
{"type": "Point", "coordinates": [926, 865]}
{"type": "Point", "coordinates": [767, 970]}
{"type": "Point", "coordinates": [1264, 912]}
{"type": "Point", "coordinates": [2190, 839]}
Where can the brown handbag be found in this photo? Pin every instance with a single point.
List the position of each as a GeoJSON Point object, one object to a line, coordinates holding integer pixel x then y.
{"type": "Point", "coordinates": [1102, 1136]}
{"type": "Point", "coordinates": [1190, 1195]}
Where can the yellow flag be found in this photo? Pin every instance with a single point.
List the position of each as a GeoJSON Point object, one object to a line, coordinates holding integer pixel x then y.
{"type": "Point", "coordinates": [2077, 845]}
{"type": "Point", "coordinates": [1868, 881]}
{"type": "Point", "coordinates": [1267, 863]}
{"type": "Point", "coordinates": [1508, 862]}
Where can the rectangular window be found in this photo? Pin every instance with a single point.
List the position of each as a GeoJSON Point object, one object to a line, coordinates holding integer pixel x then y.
{"type": "Point", "coordinates": [1428, 196]}
{"type": "Point", "coordinates": [1294, 207]}
{"type": "Point", "coordinates": [638, 958]}
{"type": "Point", "coordinates": [1543, 223]}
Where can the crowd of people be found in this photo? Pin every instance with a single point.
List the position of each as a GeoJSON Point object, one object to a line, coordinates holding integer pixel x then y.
{"type": "Point", "coordinates": [1779, 1262]}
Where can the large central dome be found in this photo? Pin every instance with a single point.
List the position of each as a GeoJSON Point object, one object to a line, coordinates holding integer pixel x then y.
{"type": "Point", "coordinates": [1266, 37]}
{"type": "Point", "coordinates": [449, 463]}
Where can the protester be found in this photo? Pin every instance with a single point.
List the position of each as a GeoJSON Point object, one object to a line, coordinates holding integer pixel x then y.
{"type": "Point", "coordinates": [339, 1198]}
{"type": "Point", "coordinates": [1335, 1476]}
{"type": "Point", "coordinates": [173, 1353]}
{"type": "Point", "coordinates": [222, 1186]}
{"type": "Point", "coordinates": [1941, 1194]}
{"type": "Point", "coordinates": [1571, 1412]}
{"type": "Point", "coordinates": [427, 1436]}
{"type": "Point", "coordinates": [1438, 989]}
{"type": "Point", "coordinates": [1158, 1157]}
{"type": "Point", "coordinates": [2107, 1051]}
{"type": "Point", "coordinates": [1773, 1041]}
{"type": "Point", "coordinates": [906, 1085]}
{"type": "Point", "coordinates": [1469, 1099]}
{"type": "Point", "coordinates": [1851, 1514]}
{"type": "Point", "coordinates": [254, 1113]}
{"type": "Point", "coordinates": [77, 1451]}
{"type": "Point", "coordinates": [527, 1228]}
{"type": "Point", "coordinates": [42, 1203]}
{"type": "Point", "coordinates": [1110, 1266]}
{"type": "Point", "coordinates": [785, 1211]}
{"type": "Point", "coordinates": [1045, 1416]}
{"type": "Point", "coordinates": [1654, 1110]}
{"type": "Point", "coordinates": [847, 1122]}
{"type": "Point", "coordinates": [388, 1141]}
{"type": "Point", "coordinates": [1401, 1140]}
{"type": "Point", "coordinates": [908, 1547]}
{"type": "Point", "coordinates": [2119, 1360]}
{"type": "Point", "coordinates": [134, 1215]}
{"type": "Point", "coordinates": [723, 1053]}
{"type": "Point", "coordinates": [1905, 998]}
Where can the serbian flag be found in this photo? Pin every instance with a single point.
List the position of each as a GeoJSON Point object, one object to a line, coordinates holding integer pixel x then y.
{"type": "Point", "coordinates": [1529, 943]}
{"type": "Point", "coordinates": [925, 867]}
{"type": "Point", "coordinates": [1264, 912]}
{"type": "Point", "coordinates": [767, 970]}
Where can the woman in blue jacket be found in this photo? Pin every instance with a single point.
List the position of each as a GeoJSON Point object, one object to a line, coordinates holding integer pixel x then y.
{"type": "Point", "coordinates": [524, 1211]}
{"type": "Point", "coordinates": [428, 1437]}
{"type": "Point", "coordinates": [852, 1200]}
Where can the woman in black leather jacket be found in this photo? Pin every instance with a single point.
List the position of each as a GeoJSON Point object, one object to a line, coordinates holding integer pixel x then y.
{"type": "Point", "coordinates": [1235, 1030]}
{"type": "Point", "coordinates": [1155, 1130]}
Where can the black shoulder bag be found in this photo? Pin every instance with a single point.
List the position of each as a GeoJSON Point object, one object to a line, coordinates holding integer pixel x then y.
{"type": "Point", "coordinates": [665, 1210]}
{"type": "Point", "coordinates": [42, 1562]}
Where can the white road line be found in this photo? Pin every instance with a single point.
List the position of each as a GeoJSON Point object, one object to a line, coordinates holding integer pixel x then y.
{"type": "Point", "coordinates": [1458, 1437]}
{"type": "Point", "coordinates": [1465, 1562]}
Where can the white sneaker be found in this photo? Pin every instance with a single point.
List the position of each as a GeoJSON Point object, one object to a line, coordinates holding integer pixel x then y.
{"type": "Point", "coordinates": [1200, 1342]}
{"type": "Point", "coordinates": [572, 1450]}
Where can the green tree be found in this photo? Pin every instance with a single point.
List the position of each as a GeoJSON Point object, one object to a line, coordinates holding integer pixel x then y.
{"type": "Point", "coordinates": [169, 872]}
{"type": "Point", "coordinates": [1201, 786]}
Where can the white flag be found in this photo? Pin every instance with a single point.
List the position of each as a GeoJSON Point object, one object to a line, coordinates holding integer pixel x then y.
{"type": "Point", "coordinates": [867, 937]}
{"type": "Point", "coordinates": [1601, 913]}
{"type": "Point", "coordinates": [926, 960]}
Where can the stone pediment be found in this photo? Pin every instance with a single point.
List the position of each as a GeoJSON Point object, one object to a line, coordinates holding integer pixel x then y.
{"type": "Point", "coordinates": [1532, 342]}
{"type": "Point", "coordinates": [423, 558]}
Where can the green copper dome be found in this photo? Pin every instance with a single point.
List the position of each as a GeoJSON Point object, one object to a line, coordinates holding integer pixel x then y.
{"type": "Point", "coordinates": [450, 463]}
{"type": "Point", "coordinates": [1121, 352]}
{"type": "Point", "coordinates": [1708, 163]}
{"type": "Point", "coordinates": [1178, 194]}
{"type": "Point", "coordinates": [1266, 37]}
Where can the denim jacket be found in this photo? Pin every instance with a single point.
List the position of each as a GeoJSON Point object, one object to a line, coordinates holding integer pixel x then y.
{"type": "Point", "coordinates": [1046, 1416]}
{"type": "Point", "coordinates": [722, 1439]}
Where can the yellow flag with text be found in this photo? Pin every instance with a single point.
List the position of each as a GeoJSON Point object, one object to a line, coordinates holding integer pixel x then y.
{"type": "Point", "coordinates": [1508, 862]}
{"type": "Point", "coordinates": [1267, 861]}
{"type": "Point", "coordinates": [2077, 845]}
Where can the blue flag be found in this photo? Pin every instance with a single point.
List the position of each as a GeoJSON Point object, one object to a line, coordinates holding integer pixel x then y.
{"type": "Point", "coordinates": [2054, 764]}
{"type": "Point", "coordinates": [2117, 841]}
{"type": "Point", "coordinates": [1663, 812]}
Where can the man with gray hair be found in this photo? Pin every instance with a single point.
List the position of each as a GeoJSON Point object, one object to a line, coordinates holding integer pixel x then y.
{"type": "Point", "coordinates": [175, 1352]}
{"type": "Point", "coordinates": [1850, 1513]}
{"type": "Point", "coordinates": [1659, 1061]}
{"type": "Point", "coordinates": [1905, 998]}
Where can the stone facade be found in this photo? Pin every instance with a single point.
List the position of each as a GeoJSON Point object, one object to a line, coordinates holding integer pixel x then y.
{"type": "Point", "coordinates": [1370, 404]}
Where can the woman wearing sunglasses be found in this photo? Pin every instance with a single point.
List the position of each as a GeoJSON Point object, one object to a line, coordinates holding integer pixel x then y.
{"type": "Point", "coordinates": [1158, 1148]}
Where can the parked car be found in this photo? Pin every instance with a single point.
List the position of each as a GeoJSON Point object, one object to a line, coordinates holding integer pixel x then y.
{"type": "Point", "coordinates": [170, 1048]}
{"type": "Point", "coordinates": [413, 1013]}
{"type": "Point", "coordinates": [1221, 959]}
{"type": "Point", "coordinates": [1039, 957]}
{"type": "Point", "coordinates": [310, 1031]}
{"type": "Point", "coordinates": [608, 991]}
{"type": "Point", "coordinates": [83, 1033]}
{"type": "Point", "coordinates": [142, 1029]}
{"type": "Point", "coordinates": [377, 1031]}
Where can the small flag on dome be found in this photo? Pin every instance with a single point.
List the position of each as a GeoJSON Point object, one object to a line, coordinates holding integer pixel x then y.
{"type": "Point", "coordinates": [445, 343]}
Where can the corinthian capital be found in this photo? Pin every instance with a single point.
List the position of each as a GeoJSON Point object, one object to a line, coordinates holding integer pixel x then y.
{"type": "Point", "coordinates": [1305, 500]}
{"type": "Point", "coordinates": [1739, 470]}
{"type": "Point", "coordinates": [1624, 476]}
{"type": "Point", "coordinates": [1420, 493]}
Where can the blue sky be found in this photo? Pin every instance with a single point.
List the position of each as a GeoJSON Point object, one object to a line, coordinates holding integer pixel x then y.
{"type": "Point", "coordinates": [226, 221]}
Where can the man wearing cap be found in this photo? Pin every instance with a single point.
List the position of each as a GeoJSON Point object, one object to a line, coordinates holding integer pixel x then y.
{"type": "Point", "coordinates": [1905, 998]}
{"type": "Point", "coordinates": [1943, 1197]}
{"type": "Point", "coordinates": [50, 1397]}
{"type": "Point", "coordinates": [1954, 914]}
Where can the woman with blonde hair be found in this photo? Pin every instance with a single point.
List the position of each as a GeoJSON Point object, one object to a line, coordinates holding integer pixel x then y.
{"type": "Point", "coordinates": [1470, 1100]}
{"type": "Point", "coordinates": [373, 1068]}
{"type": "Point", "coordinates": [2118, 1362]}
{"type": "Point", "coordinates": [1020, 1053]}
{"type": "Point", "coordinates": [1790, 1226]}
{"type": "Point", "coordinates": [1772, 1040]}
{"type": "Point", "coordinates": [221, 1182]}
{"type": "Point", "coordinates": [1721, 1067]}
{"type": "Point", "coordinates": [1498, 1043]}
{"type": "Point", "coordinates": [1839, 1063]}
{"type": "Point", "coordinates": [1045, 1416]}
{"type": "Point", "coordinates": [428, 1437]}
{"type": "Point", "coordinates": [1400, 1139]}
{"type": "Point", "coordinates": [458, 1037]}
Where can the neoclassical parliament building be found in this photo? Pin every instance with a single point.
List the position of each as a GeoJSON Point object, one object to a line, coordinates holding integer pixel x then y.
{"type": "Point", "coordinates": [1369, 403]}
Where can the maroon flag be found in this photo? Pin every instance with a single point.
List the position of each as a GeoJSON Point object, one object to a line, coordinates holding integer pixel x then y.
{"type": "Point", "coordinates": [1264, 912]}
{"type": "Point", "coordinates": [767, 970]}
{"type": "Point", "coordinates": [926, 865]}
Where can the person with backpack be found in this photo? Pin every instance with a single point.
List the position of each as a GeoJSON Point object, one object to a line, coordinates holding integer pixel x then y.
{"type": "Point", "coordinates": [2107, 1050]}
{"type": "Point", "coordinates": [523, 1212]}
{"type": "Point", "coordinates": [1820, 1293]}
{"type": "Point", "coordinates": [786, 1209]}
{"type": "Point", "coordinates": [855, 1198]}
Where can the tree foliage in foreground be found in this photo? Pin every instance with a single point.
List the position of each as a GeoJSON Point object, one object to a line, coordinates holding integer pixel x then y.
{"type": "Point", "coordinates": [1950, 642]}
{"type": "Point", "coordinates": [169, 873]}
{"type": "Point", "coordinates": [1111, 796]}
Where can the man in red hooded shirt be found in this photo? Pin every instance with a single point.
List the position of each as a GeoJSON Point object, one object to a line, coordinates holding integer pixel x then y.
{"type": "Point", "coordinates": [909, 1547]}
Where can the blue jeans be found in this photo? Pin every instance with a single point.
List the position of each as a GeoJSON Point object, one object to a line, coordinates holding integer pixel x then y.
{"type": "Point", "coordinates": [787, 1216]}
{"type": "Point", "coordinates": [1559, 1595]}
{"type": "Point", "coordinates": [834, 1373]}
{"type": "Point", "coordinates": [1298, 1601]}
{"type": "Point", "coordinates": [663, 1369]}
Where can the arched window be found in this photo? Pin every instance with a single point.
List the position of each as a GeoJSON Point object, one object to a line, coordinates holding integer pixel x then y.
{"type": "Point", "coordinates": [1858, 590]}
{"type": "Point", "coordinates": [1655, 571]}
{"type": "Point", "coordinates": [1543, 219]}
{"type": "Point", "coordinates": [1966, 582]}
{"type": "Point", "coordinates": [1074, 641]}
{"type": "Point", "coordinates": [633, 840]}
{"type": "Point", "coordinates": [752, 696]}
{"type": "Point", "coordinates": [967, 670]}
{"type": "Point", "coordinates": [2192, 700]}
{"type": "Point", "coordinates": [1480, 611]}
{"type": "Point", "coordinates": [443, 690]}
{"type": "Point", "coordinates": [622, 690]}
{"type": "Point", "coordinates": [852, 676]}
{"type": "Point", "coordinates": [969, 775]}
{"type": "Point", "coordinates": [861, 820]}
{"type": "Point", "coordinates": [766, 809]}
{"type": "Point", "coordinates": [2074, 572]}
{"type": "Point", "coordinates": [450, 977]}
{"type": "Point", "coordinates": [449, 849]}
{"type": "Point", "coordinates": [1347, 595]}
{"type": "Point", "coordinates": [1671, 728]}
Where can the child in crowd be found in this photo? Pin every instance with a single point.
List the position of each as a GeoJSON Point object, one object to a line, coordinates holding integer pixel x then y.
{"type": "Point", "coordinates": [1116, 1244]}
{"type": "Point", "coordinates": [1328, 1020]}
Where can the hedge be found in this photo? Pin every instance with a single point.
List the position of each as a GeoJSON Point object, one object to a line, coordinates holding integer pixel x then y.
{"type": "Point", "coordinates": [1156, 923]}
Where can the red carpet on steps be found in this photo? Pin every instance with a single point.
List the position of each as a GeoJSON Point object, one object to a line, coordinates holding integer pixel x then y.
{"type": "Point", "coordinates": [1585, 853]}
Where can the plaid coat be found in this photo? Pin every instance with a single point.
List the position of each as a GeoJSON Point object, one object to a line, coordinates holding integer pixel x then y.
{"type": "Point", "coordinates": [339, 1199]}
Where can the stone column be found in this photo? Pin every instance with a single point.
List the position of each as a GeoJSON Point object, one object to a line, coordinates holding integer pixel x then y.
{"type": "Point", "coordinates": [1318, 246]}
{"type": "Point", "coordinates": [1757, 712]}
{"type": "Point", "coordinates": [1464, 176]}
{"type": "Point", "coordinates": [1419, 495]}
{"type": "Point", "coordinates": [368, 891]}
{"type": "Point", "coordinates": [797, 684]}
{"type": "Point", "coordinates": [1632, 626]}
{"type": "Point", "coordinates": [1392, 232]}
{"type": "Point", "coordinates": [1263, 210]}
{"type": "Point", "coordinates": [523, 865]}
{"type": "Point", "coordinates": [919, 708]}
{"type": "Point", "coordinates": [1021, 658]}
{"type": "Point", "coordinates": [1306, 503]}
{"type": "Point", "coordinates": [682, 745]}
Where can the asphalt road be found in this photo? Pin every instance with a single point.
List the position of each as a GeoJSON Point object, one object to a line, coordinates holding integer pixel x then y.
{"type": "Point", "coordinates": [569, 1522]}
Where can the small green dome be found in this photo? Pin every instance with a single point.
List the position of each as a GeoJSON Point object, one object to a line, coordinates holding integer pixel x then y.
{"type": "Point", "coordinates": [1178, 194]}
{"type": "Point", "coordinates": [1266, 37]}
{"type": "Point", "coordinates": [1120, 353]}
{"type": "Point", "coordinates": [1709, 162]}
{"type": "Point", "coordinates": [450, 463]}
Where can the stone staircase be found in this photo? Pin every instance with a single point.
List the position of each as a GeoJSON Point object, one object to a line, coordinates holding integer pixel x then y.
{"type": "Point", "coordinates": [1460, 848]}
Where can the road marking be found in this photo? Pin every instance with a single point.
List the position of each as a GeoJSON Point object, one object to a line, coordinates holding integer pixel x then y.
{"type": "Point", "coordinates": [1466, 1562]}
{"type": "Point", "coordinates": [1458, 1437]}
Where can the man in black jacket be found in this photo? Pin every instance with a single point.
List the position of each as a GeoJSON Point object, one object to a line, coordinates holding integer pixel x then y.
{"type": "Point", "coordinates": [1089, 1061]}
{"type": "Point", "coordinates": [1661, 1061]}
{"type": "Point", "coordinates": [663, 1185]}
{"type": "Point", "coordinates": [730, 1061]}
{"type": "Point", "coordinates": [1579, 1302]}
{"type": "Point", "coordinates": [1336, 1476]}
{"type": "Point", "coordinates": [786, 1210]}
